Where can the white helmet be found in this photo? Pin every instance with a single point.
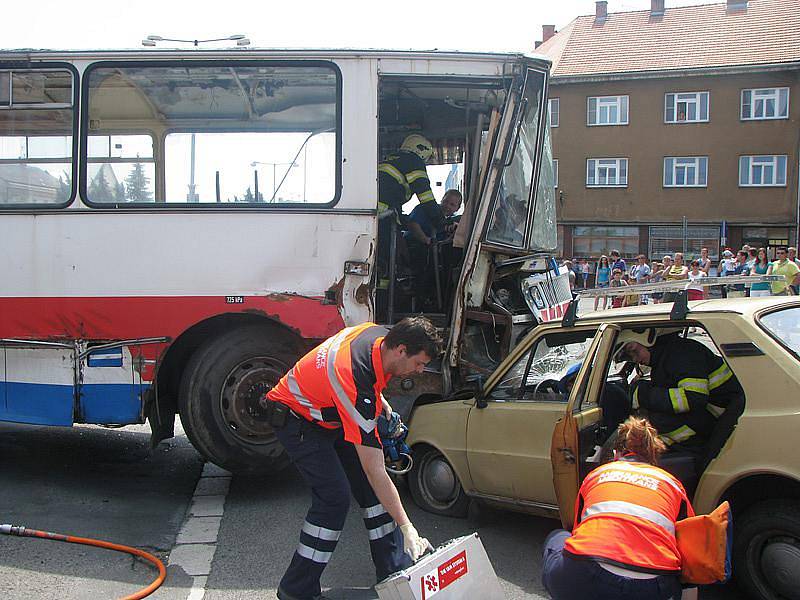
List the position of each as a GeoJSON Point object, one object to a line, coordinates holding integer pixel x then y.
{"type": "Point", "coordinates": [419, 145]}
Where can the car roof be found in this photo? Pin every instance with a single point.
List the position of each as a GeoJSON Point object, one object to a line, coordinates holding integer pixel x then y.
{"type": "Point", "coordinates": [741, 306]}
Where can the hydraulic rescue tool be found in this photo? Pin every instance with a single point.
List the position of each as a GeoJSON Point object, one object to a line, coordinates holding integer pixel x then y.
{"type": "Point", "coordinates": [393, 433]}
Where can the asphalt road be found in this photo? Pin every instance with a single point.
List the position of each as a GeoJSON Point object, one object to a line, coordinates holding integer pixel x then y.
{"type": "Point", "coordinates": [107, 484]}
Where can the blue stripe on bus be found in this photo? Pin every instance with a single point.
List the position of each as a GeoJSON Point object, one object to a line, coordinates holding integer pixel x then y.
{"type": "Point", "coordinates": [117, 403]}
{"type": "Point", "coordinates": [36, 403]}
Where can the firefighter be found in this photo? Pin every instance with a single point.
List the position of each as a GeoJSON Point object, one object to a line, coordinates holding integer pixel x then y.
{"type": "Point", "coordinates": [325, 412]}
{"type": "Point", "coordinates": [401, 176]}
{"type": "Point", "coordinates": [623, 544]}
{"type": "Point", "coordinates": [689, 389]}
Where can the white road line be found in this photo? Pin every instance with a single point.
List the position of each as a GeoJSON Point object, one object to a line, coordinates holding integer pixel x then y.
{"type": "Point", "coordinates": [197, 539]}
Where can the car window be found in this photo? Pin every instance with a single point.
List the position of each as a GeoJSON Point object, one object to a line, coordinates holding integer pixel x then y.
{"type": "Point", "coordinates": [784, 325]}
{"type": "Point", "coordinates": [545, 373]}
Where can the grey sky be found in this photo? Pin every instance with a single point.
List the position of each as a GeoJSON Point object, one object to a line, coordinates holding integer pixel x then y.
{"type": "Point", "coordinates": [415, 24]}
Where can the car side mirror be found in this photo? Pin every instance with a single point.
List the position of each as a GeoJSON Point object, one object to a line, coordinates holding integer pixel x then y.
{"type": "Point", "coordinates": [480, 396]}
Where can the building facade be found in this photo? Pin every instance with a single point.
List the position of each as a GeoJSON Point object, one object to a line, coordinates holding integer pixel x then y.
{"type": "Point", "coordinates": [676, 129]}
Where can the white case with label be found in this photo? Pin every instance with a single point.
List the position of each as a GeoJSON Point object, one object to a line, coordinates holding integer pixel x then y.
{"type": "Point", "coordinates": [458, 569]}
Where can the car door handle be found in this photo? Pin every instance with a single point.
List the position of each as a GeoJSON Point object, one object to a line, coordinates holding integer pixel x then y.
{"type": "Point", "coordinates": [567, 454]}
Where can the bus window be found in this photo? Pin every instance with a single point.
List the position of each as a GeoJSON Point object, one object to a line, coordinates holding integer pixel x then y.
{"type": "Point", "coordinates": [120, 168]}
{"type": "Point", "coordinates": [36, 133]}
{"type": "Point", "coordinates": [511, 208]}
{"type": "Point", "coordinates": [238, 132]}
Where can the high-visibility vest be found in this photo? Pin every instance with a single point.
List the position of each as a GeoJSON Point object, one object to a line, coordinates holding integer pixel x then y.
{"type": "Point", "coordinates": [339, 384]}
{"type": "Point", "coordinates": [625, 515]}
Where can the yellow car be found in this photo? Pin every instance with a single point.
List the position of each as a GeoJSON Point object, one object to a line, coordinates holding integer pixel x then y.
{"type": "Point", "coordinates": [536, 427]}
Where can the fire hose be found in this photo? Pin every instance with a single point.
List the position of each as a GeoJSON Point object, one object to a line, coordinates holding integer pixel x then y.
{"type": "Point", "coordinates": [58, 537]}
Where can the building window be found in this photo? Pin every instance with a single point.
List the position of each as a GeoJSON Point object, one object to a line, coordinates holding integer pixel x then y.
{"type": "Point", "coordinates": [554, 112]}
{"type": "Point", "coordinates": [607, 110]}
{"type": "Point", "coordinates": [762, 171]}
{"type": "Point", "coordinates": [607, 172]}
{"type": "Point", "coordinates": [669, 239]}
{"type": "Point", "coordinates": [686, 107]}
{"type": "Point", "coordinates": [765, 103]}
{"type": "Point", "coordinates": [595, 240]}
{"type": "Point", "coordinates": [685, 171]}
{"type": "Point", "coordinates": [555, 172]}
{"type": "Point", "coordinates": [37, 121]}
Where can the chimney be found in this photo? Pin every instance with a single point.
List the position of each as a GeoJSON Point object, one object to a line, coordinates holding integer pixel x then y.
{"type": "Point", "coordinates": [601, 11]}
{"type": "Point", "coordinates": [737, 4]}
{"type": "Point", "coordinates": [656, 8]}
{"type": "Point", "coordinates": [548, 31]}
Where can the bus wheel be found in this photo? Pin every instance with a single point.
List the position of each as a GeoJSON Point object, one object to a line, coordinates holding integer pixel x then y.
{"type": "Point", "coordinates": [219, 395]}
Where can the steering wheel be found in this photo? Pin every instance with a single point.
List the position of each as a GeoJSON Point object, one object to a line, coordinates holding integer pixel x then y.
{"type": "Point", "coordinates": [551, 383]}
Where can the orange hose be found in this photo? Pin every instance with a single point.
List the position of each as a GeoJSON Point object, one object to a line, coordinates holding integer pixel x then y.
{"type": "Point", "coordinates": [144, 592]}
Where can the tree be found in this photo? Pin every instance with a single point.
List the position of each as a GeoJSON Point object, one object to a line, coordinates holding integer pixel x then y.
{"type": "Point", "coordinates": [64, 187]}
{"type": "Point", "coordinates": [248, 195]}
{"type": "Point", "coordinates": [137, 185]}
{"type": "Point", "coordinates": [100, 190]}
{"type": "Point", "coordinates": [119, 193]}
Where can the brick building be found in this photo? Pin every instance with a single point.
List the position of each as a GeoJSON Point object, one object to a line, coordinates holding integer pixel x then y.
{"type": "Point", "coordinates": [676, 128]}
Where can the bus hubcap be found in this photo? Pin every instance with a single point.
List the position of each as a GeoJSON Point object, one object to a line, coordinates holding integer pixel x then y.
{"type": "Point", "coordinates": [240, 399]}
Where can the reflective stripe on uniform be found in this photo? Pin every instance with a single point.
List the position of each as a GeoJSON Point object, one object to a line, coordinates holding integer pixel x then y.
{"type": "Point", "coordinates": [426, 196]}
{"type": "Point", "coordinates": [639, 468]}
{"type": "Point", "coordinates": [414, 175]}
{"type": "Point", "coordinates": [366, 425]}
{"type": "Point", "coordinates": [379, 532]}
{"type": "Point", "coordinates": [310, 553]}
{"type": "Point", "coordinates": [719, 376]}
{"type": "Point", "coordinates": [680, 403]}
{"type": "Point", "coordinates": [630, 509]}
{"type": "Point", "coordinates": [681, 434]}
{"type": "Point", "coordinates": [395, 174]}
{"type": "Point", "coordinates": [321, 533]}
{"type": "Point", "coordinates": [294, 388]}
{"type": "Point", "coordinates": [694, 384]}
{"type": "Point", "coordinates": [374, 511]}
{"type": "Point", "coordinates": [714, 409]}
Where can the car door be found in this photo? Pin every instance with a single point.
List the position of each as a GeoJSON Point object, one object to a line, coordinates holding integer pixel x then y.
{"type": "Point", "coordinates": [574, 433]}
{"type": "Point", "coordinates": [508, 433]}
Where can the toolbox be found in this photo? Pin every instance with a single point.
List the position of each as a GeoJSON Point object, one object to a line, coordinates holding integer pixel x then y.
{"type": "Point", "coordinates": [459, 568]}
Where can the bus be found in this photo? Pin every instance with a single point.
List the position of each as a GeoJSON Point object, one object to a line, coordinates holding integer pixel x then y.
{"type": "Point", "coordinates": [180, 226]}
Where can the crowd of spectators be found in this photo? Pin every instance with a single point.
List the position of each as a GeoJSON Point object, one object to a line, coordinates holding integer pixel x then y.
{"type": "Point", "coordinates": [612, 271]}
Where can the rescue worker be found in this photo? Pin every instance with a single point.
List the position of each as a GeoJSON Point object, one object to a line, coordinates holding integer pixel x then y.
{"type": "Point", "coordinates": [325, 412]}
{"type": "Point", "coordinates": [623, 544]}
{"type": "Point", "coordinates": [689, 389]}
{"type": "Point", "coordinates": [401, 176]}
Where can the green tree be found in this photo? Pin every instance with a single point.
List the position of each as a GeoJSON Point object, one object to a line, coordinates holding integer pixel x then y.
{"type": "Point", "coordinates": [64, 187]}
{"type": "Point", "coordinates": [248, 195]}
{"type": "Point", "coordinates": [137, 185]}
{"type": "Point", "coordinates": [119, 193]}
{"type": "Point", "coordinates": [100, 190]}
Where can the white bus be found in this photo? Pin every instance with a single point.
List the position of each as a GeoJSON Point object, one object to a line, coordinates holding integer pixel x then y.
{"type": "Point", "coordinates": [179, 227]}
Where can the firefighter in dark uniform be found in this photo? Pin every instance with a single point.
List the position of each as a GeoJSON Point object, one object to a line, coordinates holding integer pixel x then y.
{"type": "Point", "coordinates": [690, 388]}
{"type": "Point", "coordinates": [325, 411]}
{"type": "Point", "coordinates": [401, 176]}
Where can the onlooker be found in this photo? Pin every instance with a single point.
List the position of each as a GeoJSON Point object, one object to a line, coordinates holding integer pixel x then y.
{"type": "Point", "coordinates": [603, 277]}
{"type": "Point", "coordinates": [760, 268]}
{"type": "Point", "coordinates": [570, 273]}
{"type": "Point", "coordinates": [795, 260]}
{"type": "Point", "coordinates": [641, 272]}
{"type": "Point", "coordinates": [784, 267]}
{"type": "Point", "coordinates": [705, 262]}
{"type": "Point", "coordinates": [585, 273]}
{"type": "Point", "coordinates": [752, 257]}
{"type": "Point", "coordinates": [617, 281]}
{"type": "Point", "coordinates": [727, 264]}
{"type": "Point", "coordinates": [677, 271]}
{"type": "Point", "coordinates": [740, 268]}
{"type": "Point", "coordinates": [695, 290]}
{"type": "Point", "coordinates": [660, 274]}
{"type": "Point", "coordinates": [617, 262]}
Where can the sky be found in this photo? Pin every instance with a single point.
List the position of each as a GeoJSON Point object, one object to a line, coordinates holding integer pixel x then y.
{"type": "Point", "coordinates": [411, 24]}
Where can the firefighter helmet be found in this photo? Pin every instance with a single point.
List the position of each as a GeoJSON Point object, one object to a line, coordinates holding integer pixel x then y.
{"type": "Point", "coordinates": [419, 145]}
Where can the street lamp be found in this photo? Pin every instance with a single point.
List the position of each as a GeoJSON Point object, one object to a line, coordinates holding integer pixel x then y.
{"type": "Point", "coordinates": [240, 39]}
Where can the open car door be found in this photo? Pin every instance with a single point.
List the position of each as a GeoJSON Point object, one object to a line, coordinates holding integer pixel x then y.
{"type": "Point", "coordinates": [575, 433]}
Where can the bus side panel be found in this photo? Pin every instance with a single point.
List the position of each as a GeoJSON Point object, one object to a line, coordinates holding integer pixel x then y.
{"type": "Point", "coordinates": [111, 389]}
{"type": "Point", "coordinates": [39, 386]}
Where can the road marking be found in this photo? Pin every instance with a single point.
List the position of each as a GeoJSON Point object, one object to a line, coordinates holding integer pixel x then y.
{"type": "Point", "coordinates": [197, 539]}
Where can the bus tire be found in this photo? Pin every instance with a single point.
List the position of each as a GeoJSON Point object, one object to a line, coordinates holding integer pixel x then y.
{"type": "Point", "coordinates": [218, 399]}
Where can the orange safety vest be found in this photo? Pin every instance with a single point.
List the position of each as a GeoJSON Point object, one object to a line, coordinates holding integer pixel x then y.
{"type": "Point", "coordinates": [339, 384]}
{"type": "Point", "coordinates": [625, 515]}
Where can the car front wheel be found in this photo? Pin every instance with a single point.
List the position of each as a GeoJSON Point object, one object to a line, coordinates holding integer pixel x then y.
{"type": "Point", "coordinates": [766, 553]}
{"type": "Point", "coordinates": [435, 486]}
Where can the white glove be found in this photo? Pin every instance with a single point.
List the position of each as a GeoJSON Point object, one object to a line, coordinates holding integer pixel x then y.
{"type": "Point", "coordinates": [414, 545]}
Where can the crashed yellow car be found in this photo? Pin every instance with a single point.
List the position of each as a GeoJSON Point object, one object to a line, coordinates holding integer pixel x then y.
{"type": "Point", "coordinates": [536, 426]}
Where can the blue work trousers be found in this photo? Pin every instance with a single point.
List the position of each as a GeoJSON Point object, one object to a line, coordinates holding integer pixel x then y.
{"type": "Point", "coordinates": [566, 578]}
{"type": "Point", "coordinates": [332, 468]}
